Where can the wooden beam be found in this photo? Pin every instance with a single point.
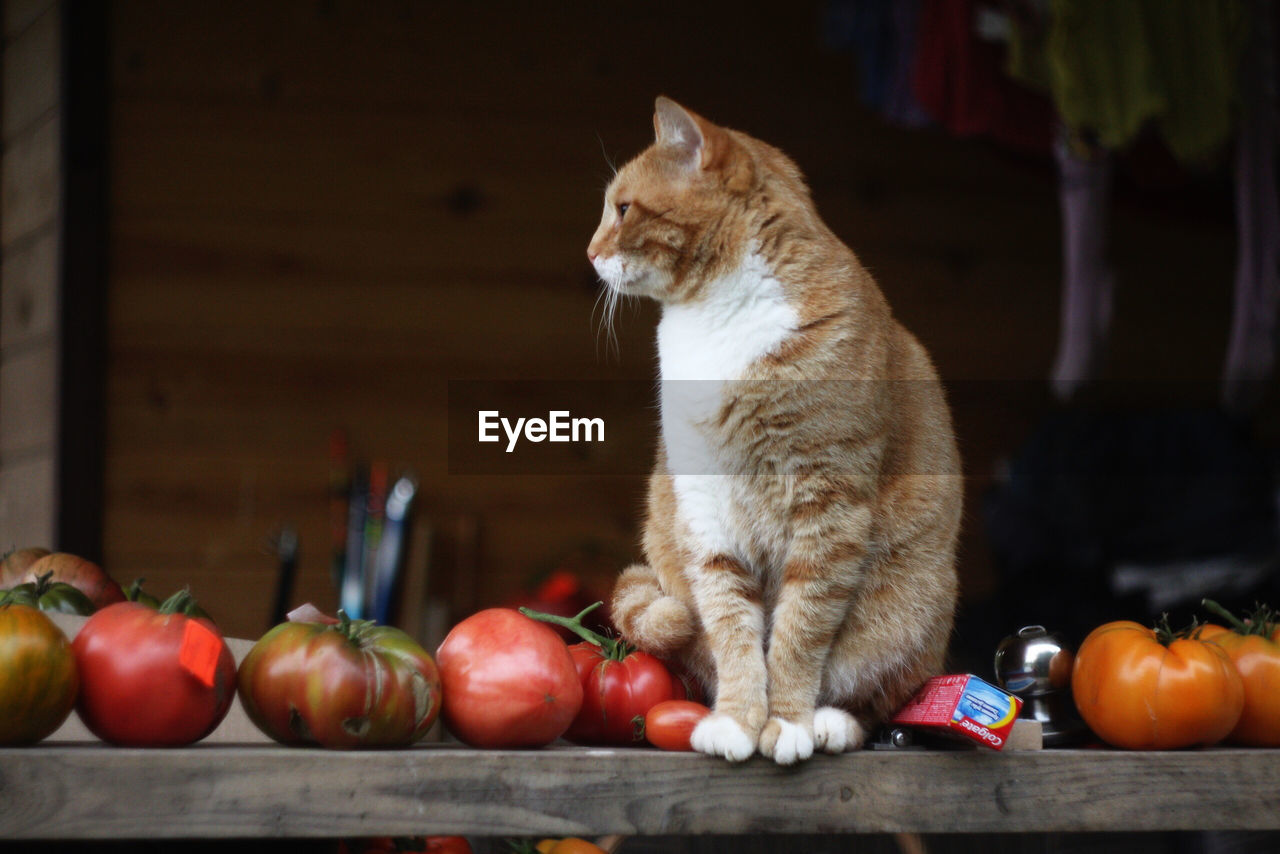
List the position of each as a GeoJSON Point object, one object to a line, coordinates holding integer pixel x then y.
{"type": "Point", "coordinates": [93, 792]}
{"type": "Point", "coordinates": [83, 284]}
{"type": "Point", "coordinates": [31, 187]}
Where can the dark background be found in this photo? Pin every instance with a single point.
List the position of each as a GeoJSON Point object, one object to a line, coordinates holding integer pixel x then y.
{"type": "Point", "coordinates": [321, 212]}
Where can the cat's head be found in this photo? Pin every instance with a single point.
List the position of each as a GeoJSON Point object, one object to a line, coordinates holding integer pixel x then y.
{"type": "Point", "coordinates": [678, 214]}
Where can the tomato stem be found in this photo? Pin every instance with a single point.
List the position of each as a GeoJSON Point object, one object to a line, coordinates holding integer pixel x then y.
{"type": "Point", "coordinates": [1166, 634]}
{"type": "Point", "coordinates": [1218, 611]}
{"type": "Point", "coordinates": [615, 648]}
{"type": "Point", "coordinates": [183, 603]}
{"type": "Point", "coordinates": [353, 630]}
{"type": "Point", "coordinates": [1264, 619]}
{"type": "Point", "coordinates": [637, 728]}
{"type": "Point", "coordinates": [346, 626]}
{"type": "Point", "coordinates": [177, 603]}
{"type": "Point", "coordinates": [1260, 622]}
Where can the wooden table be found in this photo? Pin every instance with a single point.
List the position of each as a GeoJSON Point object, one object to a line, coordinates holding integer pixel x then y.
{"type": "Point", "coordinates": [219, 791]}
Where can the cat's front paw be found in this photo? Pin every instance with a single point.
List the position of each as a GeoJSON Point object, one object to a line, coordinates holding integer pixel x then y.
{"type": "Point", "coordinates": [785, 742]}
{"type": "Point", "coordinates": [835, 730]}
{"type": "Point", "coordinates": [719, 734]}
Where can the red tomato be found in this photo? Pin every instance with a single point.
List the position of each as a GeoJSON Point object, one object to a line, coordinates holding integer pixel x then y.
{"type": "Point", "coordinates": [353, 684]}
{"type": "Point", "coordinates": [38, 677]}
{"type": "Point", "coordinates": [409, 845]}
{"type": "Point", "coordinates": [152, 678]}
{"type": "Point", "coordinates": [509, 681]}
{"type": "Point", "coordinates": [1146, 689]}
{"type": "Point", "coordinates": [668, 725]}
{"type": "Point", "coordinates": [15, 564]}
{"type": "Point", "coordinates": [1254, 648]}
{"type": "Point", "coordinates": [616, 693]}
{"type": "Point", "coordinates": [445, 845]}
{"type": "Point", "coordinates": [619, 683]}
{"type": "Point", "coordinates": [86, 575]}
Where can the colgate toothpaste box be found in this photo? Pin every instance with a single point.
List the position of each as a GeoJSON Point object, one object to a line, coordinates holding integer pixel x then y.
{"type": "Point", "coordinates": [964, 705]}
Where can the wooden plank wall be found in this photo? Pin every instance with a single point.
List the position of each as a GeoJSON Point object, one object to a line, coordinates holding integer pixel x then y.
{"type": "Point", "coordinates": [323, 210]}
{"type": "Point", "coordinates": [30, 243]}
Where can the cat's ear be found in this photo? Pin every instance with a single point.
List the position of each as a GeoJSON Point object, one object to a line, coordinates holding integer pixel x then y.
{"type": "Point", "coordinates": [697, 141]}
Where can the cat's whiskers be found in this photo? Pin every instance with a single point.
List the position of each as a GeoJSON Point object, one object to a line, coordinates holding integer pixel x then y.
{"type": "Point", "coordinates": [602, 294]}
{"type": "Point", "coordinates": [613, 167]}
{"type": "Point", "coordinates": [607, 315]}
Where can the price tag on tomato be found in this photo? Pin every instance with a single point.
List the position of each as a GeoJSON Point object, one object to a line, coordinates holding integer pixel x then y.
{"type": "Point", "coordinates": [201, 648]}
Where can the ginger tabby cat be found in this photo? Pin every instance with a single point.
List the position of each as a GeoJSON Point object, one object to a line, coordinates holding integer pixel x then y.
{"type": "Point", "coordinates": [806, 499]}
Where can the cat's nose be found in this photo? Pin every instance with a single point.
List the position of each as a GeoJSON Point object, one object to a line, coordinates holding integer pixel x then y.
{"type": "Point", "coordinates": [592, 256]}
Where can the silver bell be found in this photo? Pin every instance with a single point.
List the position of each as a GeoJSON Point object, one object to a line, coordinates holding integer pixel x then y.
{"type": "Point", "coordinates": [1035, 664]}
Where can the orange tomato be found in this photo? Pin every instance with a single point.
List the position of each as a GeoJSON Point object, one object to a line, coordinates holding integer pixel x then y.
{"type": "Point", "coordinates": [1254, 648]}
{"type": "Point", "coordinates": [1147, 689]}
{"type": "Point", "coordinates": [569, 845]}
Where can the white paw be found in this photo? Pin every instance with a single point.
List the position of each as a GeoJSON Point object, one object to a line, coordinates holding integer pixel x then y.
{"type": "Point", "coordinates": [721, 735]}
{"type": "Point", "coordinates": [786, 743]}
{"type": "Point", "coordinates": [835, 730]}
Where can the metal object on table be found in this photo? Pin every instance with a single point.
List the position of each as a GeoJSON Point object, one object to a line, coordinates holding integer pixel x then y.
{"type": "Point", "coordinates": [1035, 664]}
{"type": "Point", "coordinates": [892, 738]}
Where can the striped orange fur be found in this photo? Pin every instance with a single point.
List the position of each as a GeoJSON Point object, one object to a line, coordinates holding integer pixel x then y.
{"type": "Point", "coordinates": [805, 503]}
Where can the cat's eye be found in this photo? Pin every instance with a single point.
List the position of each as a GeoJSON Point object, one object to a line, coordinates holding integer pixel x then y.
{"type": "Point", "coordinates": [623, 207]}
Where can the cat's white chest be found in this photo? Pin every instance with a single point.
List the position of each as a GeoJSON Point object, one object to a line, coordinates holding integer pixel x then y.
{"type": "Point", "coordinates": [743, 316]}
{"type": "Point", "coordinates": [703, 348]}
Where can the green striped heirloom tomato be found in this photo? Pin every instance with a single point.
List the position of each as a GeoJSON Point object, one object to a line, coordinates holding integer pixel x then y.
{"type": "Point", "coordinates": [153, 678]}
{"type": "Point", "coordinates": [344, 685]}
{"type": "Point", "coordinates": [38, 677]}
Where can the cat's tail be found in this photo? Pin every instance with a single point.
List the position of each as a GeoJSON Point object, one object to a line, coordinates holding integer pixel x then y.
{"type": "Point", "coordinates": [657, 623]}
